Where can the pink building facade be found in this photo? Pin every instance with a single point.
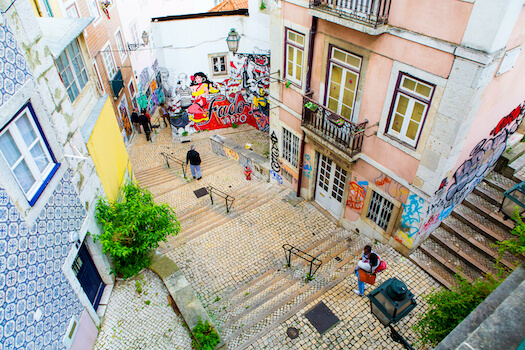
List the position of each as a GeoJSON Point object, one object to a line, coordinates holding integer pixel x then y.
{"type": "Point", "coordinates": [388, 113]}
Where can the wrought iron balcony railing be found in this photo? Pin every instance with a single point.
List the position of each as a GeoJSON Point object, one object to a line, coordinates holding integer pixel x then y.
{"type": "Point", "coordinates": [332, 127]}
{"type": "Point", "coordinates": [372, 12]}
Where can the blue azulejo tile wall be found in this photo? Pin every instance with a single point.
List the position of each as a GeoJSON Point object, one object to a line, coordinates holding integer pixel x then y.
{"type": "Point", "coordinates": [31, 277]}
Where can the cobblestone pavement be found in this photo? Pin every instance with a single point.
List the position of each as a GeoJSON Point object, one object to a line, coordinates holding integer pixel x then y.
{"type": "Point", "coordinates": [221, 253]}
{"type": "Point", "coordinates": [144, 320]}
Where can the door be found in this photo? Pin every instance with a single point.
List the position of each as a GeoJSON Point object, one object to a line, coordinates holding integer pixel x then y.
{"type": "Point", "coordinates": [88, 276]}
{"type": "Point", "coordinates": [330, 187]}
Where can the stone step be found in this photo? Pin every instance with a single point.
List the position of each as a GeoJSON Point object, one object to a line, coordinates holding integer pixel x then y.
{"type": "Point", "coordinates": [487, 210]}
{"type": "Point", "coordinates": [499, 181]}
{"type": "Point", "coordinates": [428, 269]}
{"type": "Point", "coordinates": [454, 264]}
{"type": "Point", "coordinates": [480, 243]}
{"type": "Point", "coordinates": [488, 193]}
{"type": "Point", "coordinates": [477, 222]}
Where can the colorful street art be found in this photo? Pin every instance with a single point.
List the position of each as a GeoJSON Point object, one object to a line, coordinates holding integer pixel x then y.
{"type": "Point", "coordinates": [276, 177]}
{"type": "Point", "coordinates": [202, 104]}
{"type": "Point", "coordinates": [307, 167]}
{"type": "Point", "coordinates": [357, 195]}
{"type": "Point", "coordinates": [413, 212]}
{"type": "Point", "coordinates": [274, 153]}
{"type": "Point", "coordinates": [392, 187]}
{"type": "Point", "coordinates": [469, 174]}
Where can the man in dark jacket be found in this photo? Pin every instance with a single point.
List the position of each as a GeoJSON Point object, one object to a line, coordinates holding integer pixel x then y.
{"type": "Point", "coordinates": [194, 159]}
{"type": "Point", "coordinates": [144, 121]}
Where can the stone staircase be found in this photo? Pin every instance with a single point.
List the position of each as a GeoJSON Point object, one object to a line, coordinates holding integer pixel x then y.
{"type": "Point", "coordinates": [463, 242]}
{"type": "Point", "coordinates": [264, 302]}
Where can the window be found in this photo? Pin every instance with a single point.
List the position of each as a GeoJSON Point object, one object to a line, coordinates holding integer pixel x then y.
{"type": "Point", "coordinates": [120, 45]}
{"type": "Point", "coordinates": [343, 77]}
{"type": "Point", "coordinates": [72, 11]}
{"type": "Point", "coordinates": [72, 71]}
{"type": "Point", "coordinates": [109, 62]}
{"type": "Point", "coordinates": [294, 56]}
{"type": "Point", "coordinates": [27, 154]}
{"type": "Point", "coordinates": [99, 77]}
{"type": "Point", "coordinates": [94, 10]}
{"type": "Point", "coordinates": [131, 89]}
{"type": "Point", "coordinates": [290, 147]}
{"type": "Point", "coordinates": [379, 210]}
{"type": "Point", "coordinates": [409, 108]}
{"type": "Point", "coordinates": [48, 9]}
{"type": "Point", "coordinates": [219, 64]}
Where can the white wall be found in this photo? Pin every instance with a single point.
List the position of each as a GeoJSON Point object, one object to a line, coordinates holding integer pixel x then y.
{"type": "Point", "coordinates": [183, 45]}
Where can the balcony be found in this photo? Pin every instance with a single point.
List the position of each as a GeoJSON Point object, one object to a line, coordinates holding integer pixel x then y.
{"type": "Point", "coordinates": [332, 127]}
{"type": "Point", "coordinates": [362, 15]}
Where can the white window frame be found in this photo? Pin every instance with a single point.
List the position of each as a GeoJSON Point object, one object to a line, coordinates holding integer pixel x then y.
{"type": "Point", "coordinates": [296, 47]}
{"type": "Point", "coordinates": [105, 59]}
{"type": "Point", "coordinates": [74, 7]}
{"type": "Point", "coordinates": [217, 56]}
{"type": "Point", "coordinates": [99, 77]}
{"type": "Point", "coordinates": [346, 69]}
{"type": "Point", "coordinates": [41, 177]}
{"type": "Point", "coordinates": [379, 210]}
{"type": "Point", "coordinates": [290, 147]}
{"type": "Point", "coordinates": [66, 55]}
{"type": "Point", "coordinates": [94, 10]}
{"type": "Point", "coordinates": [412, 97]}
{"type": "Point", "coordinates": [121, 45]}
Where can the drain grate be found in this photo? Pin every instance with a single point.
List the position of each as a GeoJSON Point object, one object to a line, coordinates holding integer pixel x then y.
{"type": "Point", "coordinates": [201, 192]}
{"type": "Point", "coordinates": [322, 318]}
{"type": "Point", "coordinates": [292, 332]}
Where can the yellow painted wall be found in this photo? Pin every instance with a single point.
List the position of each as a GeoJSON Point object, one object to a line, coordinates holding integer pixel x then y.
{"type": "Point", "coordinates": [108, 151]}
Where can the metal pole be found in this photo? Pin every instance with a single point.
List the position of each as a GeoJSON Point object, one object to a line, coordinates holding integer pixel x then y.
{"type": "Point", "coordinates": [227, 209]}
{"type": "Point", "coordinates": [398, 338]}
{"type": "Point", "coordinates": [211, 197]}
{"type": "Point", "coordinates": [183, 170]}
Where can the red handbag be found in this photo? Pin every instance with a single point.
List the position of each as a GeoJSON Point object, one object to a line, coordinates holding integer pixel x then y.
{"type": "Point", "coordinates": [366, 277]}
{"type": "Point", "coordinates": [381, 267]}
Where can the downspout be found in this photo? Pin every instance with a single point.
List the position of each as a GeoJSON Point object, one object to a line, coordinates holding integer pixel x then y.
{"type": "Point", "coordinates": [313, 31]}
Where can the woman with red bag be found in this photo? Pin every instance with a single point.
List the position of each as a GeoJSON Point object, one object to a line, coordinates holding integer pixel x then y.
{"type": "Point", "coordinates": [369, 262]}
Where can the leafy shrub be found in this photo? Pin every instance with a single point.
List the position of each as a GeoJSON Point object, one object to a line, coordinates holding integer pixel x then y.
{"type": "Point", "coordinates": [132, 227]}
{"type": "Point", "coordinates": [204, 336]}
{"type": "Point", "coordinates": [514, 245]}
{"type": "Point", "coordinates": [235, 125]}
{"type": "Point", "coordinates": [447, 308]}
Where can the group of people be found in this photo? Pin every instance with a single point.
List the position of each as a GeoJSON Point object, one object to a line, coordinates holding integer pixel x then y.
{"type": "Point", "coordinates": [369, 262]}
{"type": "Point", "coordinates": [144, 120]}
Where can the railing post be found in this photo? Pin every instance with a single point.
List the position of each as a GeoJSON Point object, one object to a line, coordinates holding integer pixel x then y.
{"type": "Point", "coordinates": [183, 169]}
{"type": "Point", "coordinates": [210, 190]}
{"type": "Point", "coordinates": [227, 209]}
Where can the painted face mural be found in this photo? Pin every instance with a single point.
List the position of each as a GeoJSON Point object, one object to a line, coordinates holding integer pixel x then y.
{"type": "Point", "coordinates": [241, 98]}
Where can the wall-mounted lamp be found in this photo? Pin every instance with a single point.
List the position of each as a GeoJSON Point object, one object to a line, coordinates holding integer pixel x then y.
{"type": "Point", "coordinates": [74, 238]}
{"type": "Point", "coordinates": [233, 40]}
{"type": "Point", "coordinates": [145, 38]}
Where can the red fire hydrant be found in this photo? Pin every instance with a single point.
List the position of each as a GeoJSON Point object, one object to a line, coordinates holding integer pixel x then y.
{"type": "Point", "coordinates": [248, 172]}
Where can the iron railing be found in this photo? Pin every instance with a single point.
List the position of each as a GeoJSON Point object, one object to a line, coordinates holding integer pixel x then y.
{"type": "Point", "coordinates": [227, 198]}
{"type": "Point", "coordinates": [332, 127]}
{"type": "Point", "coordinates": [169, 156]}
{"type": "Point", "coordinates": [372, 12]}
{"type": "Point", "coordinates": [289, 250]}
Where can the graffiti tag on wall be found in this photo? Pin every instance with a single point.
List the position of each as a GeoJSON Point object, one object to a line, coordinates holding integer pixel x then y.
{"type": "Point", "coordinates": [307, 166]}
{"type": "Point", "coordinates": [413, 212]}
{"type": "Point", "coordinates": [276, 177]}
{"type": "Point", "coordinates": [481, 159]}
{"type": "Point", "coordinates": [276, 167]}
{"type": "Point", "coordinates": [391, 187]}
{"type": "Point", "coordinates": [357, 195]}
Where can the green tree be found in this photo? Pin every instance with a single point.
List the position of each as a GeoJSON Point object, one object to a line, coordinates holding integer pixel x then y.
{"type": "Point", "coordinates": [132, 227]}
{"type": "Point", "coordinates": [516, 244]}
{"type": "Point", "coordinates": [447, 308]}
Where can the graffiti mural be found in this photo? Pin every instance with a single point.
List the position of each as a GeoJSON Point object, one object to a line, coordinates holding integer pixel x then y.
{"type": "Point", "coordinates": [307, 167]}
{"type": "Point", "coordinates": [198, 103]}
{"type": "Point", "coordinates": [276, 177]}
{"type": "Point", "coordinates": [468, 175]}
{"type": "Point", "coordinates": [274, 154]}
{"type": "Point", "coordinates": [357, 195]}
{"type": "Point", "coordinates": [391, 187]}
{"type": "Point", "coordinates": [413, 213]}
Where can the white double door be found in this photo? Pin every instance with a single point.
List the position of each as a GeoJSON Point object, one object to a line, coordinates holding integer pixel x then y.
{"type": "Point", "coordinates": [330, 187]}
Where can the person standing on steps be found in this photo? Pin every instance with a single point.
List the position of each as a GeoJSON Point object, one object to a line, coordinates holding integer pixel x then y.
{"type": "Point", "coordinates": [369, 262]}
{"type": "Point", "coordinates": [194, 159]}
{"type": "Point", "coordinates": [146, 125]}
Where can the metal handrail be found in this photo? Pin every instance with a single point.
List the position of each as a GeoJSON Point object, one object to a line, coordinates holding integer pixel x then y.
{"type": "Point", "coordinates": [289, 250]}
{"type": "Point", "coordinates": [329, 125]}
{"type": "Point", "coordinates": [372, 12]}
{"type": "Point", "coordinates": [169, 156]}
{"type": "Point", "coordinates": [226, 197]}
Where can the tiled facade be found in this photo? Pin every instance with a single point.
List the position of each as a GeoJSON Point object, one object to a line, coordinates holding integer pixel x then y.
{"type": "Point", "coordinates": [31, 258]}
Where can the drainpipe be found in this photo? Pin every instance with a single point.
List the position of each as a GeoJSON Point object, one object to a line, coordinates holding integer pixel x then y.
{"type": "Point", "coordinates": [313, 31]}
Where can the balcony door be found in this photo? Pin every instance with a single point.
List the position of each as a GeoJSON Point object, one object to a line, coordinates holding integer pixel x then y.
{"type": "Point", "coordinates": [330, 187]}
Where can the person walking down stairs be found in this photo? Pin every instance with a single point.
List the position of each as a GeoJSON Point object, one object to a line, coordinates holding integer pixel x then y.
{"type": "Point", "coordinates": [194, 159]}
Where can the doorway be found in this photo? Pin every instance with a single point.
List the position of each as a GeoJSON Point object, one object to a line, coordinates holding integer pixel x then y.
{"type": "Point", "coordinates": [330, 187]}
{"type": "Point", "coordinates": [88, 276]}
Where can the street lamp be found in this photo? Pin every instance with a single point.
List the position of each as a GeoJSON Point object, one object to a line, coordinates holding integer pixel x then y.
{"type": "Point", "coordinates": [512, 198]}
{"type": "Point", "coordinates": [145, 39]}
{"type": "Point", "coordinates": [390, 302]}
{"type": "Point", "coordinates": [233, 40]}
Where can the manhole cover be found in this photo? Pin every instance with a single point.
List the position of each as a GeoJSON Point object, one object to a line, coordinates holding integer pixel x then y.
{"type": "Point", "coordinates": [321, 317]}
{"type": "Point", "coordinates": [337, 258]}
{"type": "Point", "coordinates": [292, 332]}
{"type": "Point", "coordinates": [201, 192]}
